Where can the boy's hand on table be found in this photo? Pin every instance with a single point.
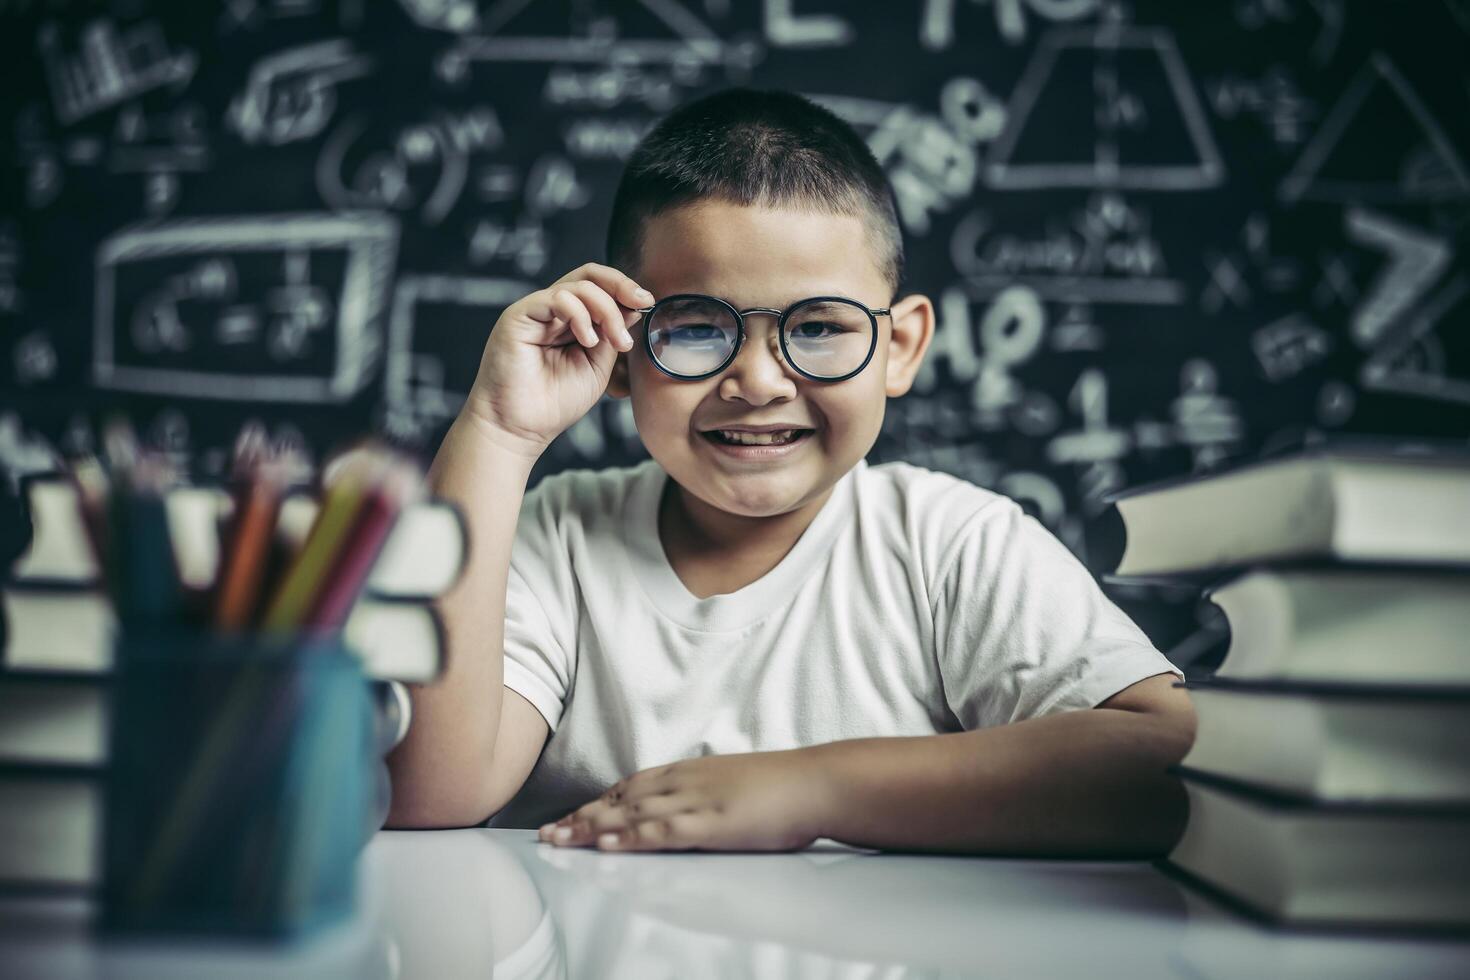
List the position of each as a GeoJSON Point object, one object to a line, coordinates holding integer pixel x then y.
{"type": "Point", "coordinates": [752, 801]}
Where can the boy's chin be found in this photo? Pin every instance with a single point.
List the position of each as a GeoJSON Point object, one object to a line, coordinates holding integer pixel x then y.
{"type": "Point", "coordinates": [755, 494]}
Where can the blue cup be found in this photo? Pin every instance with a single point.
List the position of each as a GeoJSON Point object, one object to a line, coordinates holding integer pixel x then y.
{"type": "Point", "coordinates": [241, 784]}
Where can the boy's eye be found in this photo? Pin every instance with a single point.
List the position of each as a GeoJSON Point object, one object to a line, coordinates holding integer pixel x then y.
{"type": "Point", "coordinates": [816, 330]}
{"type": "Point", "coordinates": [696, 332]}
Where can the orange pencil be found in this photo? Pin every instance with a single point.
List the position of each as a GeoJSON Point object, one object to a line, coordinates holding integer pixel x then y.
{"type": "Point", "coordinates": [249, 544]}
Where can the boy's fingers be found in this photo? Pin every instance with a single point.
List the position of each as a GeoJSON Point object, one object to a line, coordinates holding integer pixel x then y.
{"type": "Point", "coordinates": [616, 817]}
{"type": "Point", "coordinates": [664, 779]}
{"type": "Point", "coordinates": [602, 815]}
{"type": "Point", "coordinates": [578, 823]}
{"type": "Point", "coordinates": [568, 830]}
{"type": "Point", "coordinates": [617, 283]}
{"type": "Point", "coordinates": [679, 832]}
{"type": "Point", "coordinates": [604, 310]}
{"type": "Point", "coordinates": [567, 306]}
{"type": "Point", "coordinates": [644, 835]}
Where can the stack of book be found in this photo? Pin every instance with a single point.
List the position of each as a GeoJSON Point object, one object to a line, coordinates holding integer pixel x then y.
{"type": "Point", "coordinates": [261, 556]}
{"type": "Point", "coordinates": [1329, 780]}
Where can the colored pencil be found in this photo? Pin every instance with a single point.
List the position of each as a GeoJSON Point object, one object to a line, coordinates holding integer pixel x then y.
{"type": "Point", "coordinates": [345, 496]}
{"type": "Point", "coordinates": [258, 493]}
{"type": "Point", "coordinates": [350, 572]}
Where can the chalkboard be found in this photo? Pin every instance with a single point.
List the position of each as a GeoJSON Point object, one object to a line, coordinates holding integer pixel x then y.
{"type": "Point", "coordinates": [1161, 237]}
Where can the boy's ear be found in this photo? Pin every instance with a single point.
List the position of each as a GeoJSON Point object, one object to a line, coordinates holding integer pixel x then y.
{"type": "Point", "coordinates": [913, 329]}
{"type": "Point", "coordinates": [617, 381]}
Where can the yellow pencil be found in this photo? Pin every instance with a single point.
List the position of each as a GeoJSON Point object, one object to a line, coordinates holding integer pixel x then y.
{"type": "Point", "coordinates": [333, 524]}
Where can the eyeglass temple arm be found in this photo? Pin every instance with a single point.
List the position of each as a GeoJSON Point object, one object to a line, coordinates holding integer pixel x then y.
{"type": "Point", "coordinates": [648, 309]}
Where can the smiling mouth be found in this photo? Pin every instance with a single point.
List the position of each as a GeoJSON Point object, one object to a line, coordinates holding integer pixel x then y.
{"type": "Point", "coordinates": [727, 438]}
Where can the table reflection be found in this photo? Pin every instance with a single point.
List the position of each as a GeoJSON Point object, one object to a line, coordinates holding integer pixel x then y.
{"type": "Point", "coordinates": [838, 913]}
{"type": "Point", "coordinates": [498, 903]}
{"type": "Point", "coordinates": [830, 912]}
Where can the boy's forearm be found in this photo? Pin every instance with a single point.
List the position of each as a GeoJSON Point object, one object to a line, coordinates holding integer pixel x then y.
{"type": "Point", "coordinates": [441, 767]}
{"type": "Point", "coordinates": [1088, 783]}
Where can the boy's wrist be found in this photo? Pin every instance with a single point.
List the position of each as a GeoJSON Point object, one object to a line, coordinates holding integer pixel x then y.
{"type": "Point", "coordinates": [822, 803]}
{"type": "Point", "coordinates": [487, 432]}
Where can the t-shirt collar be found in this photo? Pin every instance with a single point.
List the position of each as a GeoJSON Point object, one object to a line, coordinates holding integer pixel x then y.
{"type": "Point", "coordinates": [754, 602]}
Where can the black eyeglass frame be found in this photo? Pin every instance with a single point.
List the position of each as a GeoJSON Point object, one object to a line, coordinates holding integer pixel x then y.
{"type": "Point", "coordinates": [781, 315]}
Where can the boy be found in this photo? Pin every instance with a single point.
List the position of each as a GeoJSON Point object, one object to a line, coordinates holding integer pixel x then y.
{"type": "Point", "coordinates": [755, 639]}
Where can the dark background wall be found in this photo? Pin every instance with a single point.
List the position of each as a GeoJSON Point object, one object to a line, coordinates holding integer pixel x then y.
{"type": "Point", "coordinates": [1162, 237]}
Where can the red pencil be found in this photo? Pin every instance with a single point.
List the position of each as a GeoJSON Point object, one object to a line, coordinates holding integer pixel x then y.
{"type": "Point", "coordinates": [354, 563]}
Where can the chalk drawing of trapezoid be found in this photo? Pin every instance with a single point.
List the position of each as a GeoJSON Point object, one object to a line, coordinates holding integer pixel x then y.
{"type": "Point", "coordinates": [645, 30]}
{"type": "Point", "coordinates": [1412, 359]}
{"type": "Point", "coordinates": [1378, 144]}
{"type": "Point", "coordinates": [1142, 128]}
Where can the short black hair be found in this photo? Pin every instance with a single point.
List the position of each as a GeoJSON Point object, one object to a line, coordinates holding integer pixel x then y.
{"type": "Point", "coordinates": [752, 146]}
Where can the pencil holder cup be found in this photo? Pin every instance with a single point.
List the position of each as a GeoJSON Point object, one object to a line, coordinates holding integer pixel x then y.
{"type": "Point", "coordinates": [240, 787]}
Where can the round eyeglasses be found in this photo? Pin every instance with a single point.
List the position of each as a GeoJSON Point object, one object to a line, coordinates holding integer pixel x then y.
{"type": "Point", "coordinates": [690, 336]}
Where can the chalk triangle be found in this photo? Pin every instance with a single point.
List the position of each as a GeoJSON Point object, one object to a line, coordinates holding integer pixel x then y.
{"type": "Point", "coordinates": [1378, 143]}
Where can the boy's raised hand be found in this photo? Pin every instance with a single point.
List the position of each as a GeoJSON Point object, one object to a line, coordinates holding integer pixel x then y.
{"type": "Point", "coordinates": [551, 353]}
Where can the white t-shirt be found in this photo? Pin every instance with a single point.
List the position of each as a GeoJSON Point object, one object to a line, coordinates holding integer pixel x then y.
{"type": "Point", "coordinates": [914, 603]}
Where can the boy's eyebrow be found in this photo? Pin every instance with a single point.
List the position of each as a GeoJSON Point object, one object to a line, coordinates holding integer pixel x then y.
{"type": "Point", "coordinates": [748, 306]}
{"type": "Point", "coordinates": [786, 305]}
{"type": "Point", "coordinates": [790, 303]}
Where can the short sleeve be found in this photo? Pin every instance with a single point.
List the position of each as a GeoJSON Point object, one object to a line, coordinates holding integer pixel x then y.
{"type": "Point", "coordinates": [540, 608]}
{"type": "Point", "coordinates": [1023, 629]}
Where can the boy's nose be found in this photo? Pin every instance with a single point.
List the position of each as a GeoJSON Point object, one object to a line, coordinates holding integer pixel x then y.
{"type": "Point", "coordinates": [759, 372]}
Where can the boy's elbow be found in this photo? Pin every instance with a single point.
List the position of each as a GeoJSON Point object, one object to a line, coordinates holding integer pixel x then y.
{"type": "Point", "coordinates": [1174, 730]}
{"type": "Point", "coordinates": [407, 813]}
{"type": "Point", "coordinates": [1163, 818]}
{"type": "Point", "coordinates": [1164, 711]}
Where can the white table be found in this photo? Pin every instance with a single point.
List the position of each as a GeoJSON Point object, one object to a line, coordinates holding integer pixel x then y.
{"type": "Point", "coordinates": [482, 903]}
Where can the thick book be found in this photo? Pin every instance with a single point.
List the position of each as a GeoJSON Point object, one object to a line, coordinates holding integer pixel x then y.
{"type": "Point", "coordinates": [50, 827]}
{"type": "Point", "coordinates": [1329, 865]}
{"type": "Point", "coordinates": [1343, 503]}
{"type": "Point", "coordinates": [62, 718]}
{"type": "Point", "coordinates": [423, 556]}
{"type": "Point", "coordinates": [1335, 742]}
{"type": "Point", "coordinates": [398, 640]}
{"type": "Point", "coordinates": [59, 548]}
{"type": "Point", "coordinates": [52, 822]}
{"type": "Point", "coordinates": [55, 629]}
{"type": "Point", "coordinates": [421, 559]}
{"type": "Point", "coordinates": [1347, 624]}
{"type": "Point", "coordinates": [49, 718]}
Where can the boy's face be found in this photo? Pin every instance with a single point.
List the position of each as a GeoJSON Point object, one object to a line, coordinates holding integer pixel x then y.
{"type": "Point", "coordinates": [767, 257]}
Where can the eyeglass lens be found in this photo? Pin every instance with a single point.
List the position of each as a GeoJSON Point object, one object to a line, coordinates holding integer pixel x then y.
{"type": "Point", "coordinates": [825, 338]}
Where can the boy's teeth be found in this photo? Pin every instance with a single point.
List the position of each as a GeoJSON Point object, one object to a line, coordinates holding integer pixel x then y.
{"type": "Point", "coordinates": [758, 438]}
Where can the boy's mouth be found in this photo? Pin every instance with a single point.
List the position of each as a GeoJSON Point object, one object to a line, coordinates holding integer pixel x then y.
{"type": "Point", "coordinates": [730, 437]}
